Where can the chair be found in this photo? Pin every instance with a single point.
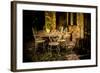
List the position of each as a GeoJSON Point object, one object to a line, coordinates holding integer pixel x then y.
{"type": "Point", "coordinates": [64, 39]}
{"type": "Point", "coordinates": [53, 43]}
{"type": "Point", "coordinates": [37, 40]}
{"type": "Point", "coordinates": [71, 45]}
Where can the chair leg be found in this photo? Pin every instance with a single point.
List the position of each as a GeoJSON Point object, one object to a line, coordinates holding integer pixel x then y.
{"type": "Point", "coordinates": [44, 50]}
{"type": "Point", "coordinates": [50, 50]}
{"type": "Point", "coordinates": [35, 49]}
{"type": "Point", "coordinates": [58, 50]}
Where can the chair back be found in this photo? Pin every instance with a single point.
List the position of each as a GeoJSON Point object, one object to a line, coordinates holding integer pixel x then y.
{"type": "Point", "coordinates": [34, 33]}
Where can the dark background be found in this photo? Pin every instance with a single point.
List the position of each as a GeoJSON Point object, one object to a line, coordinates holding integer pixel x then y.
{"type": "Point", "coordinates": [31, 19]}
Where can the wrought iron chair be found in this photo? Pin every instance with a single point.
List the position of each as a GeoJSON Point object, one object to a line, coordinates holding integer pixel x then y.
{"type": "Point", "coordinates": [71, 45]}
{"type": "Point", "coordinates": [37, 40]}
{"type": "Point", "coordinates": [53, 42]}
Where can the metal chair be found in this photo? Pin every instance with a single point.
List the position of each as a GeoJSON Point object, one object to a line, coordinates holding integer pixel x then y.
{"type": "Point", "coordinates": [53, 43]}
{"type": "Point", "coordinates": [37, 40]}
{"type": "Point", "coordinates": [71, 45]}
